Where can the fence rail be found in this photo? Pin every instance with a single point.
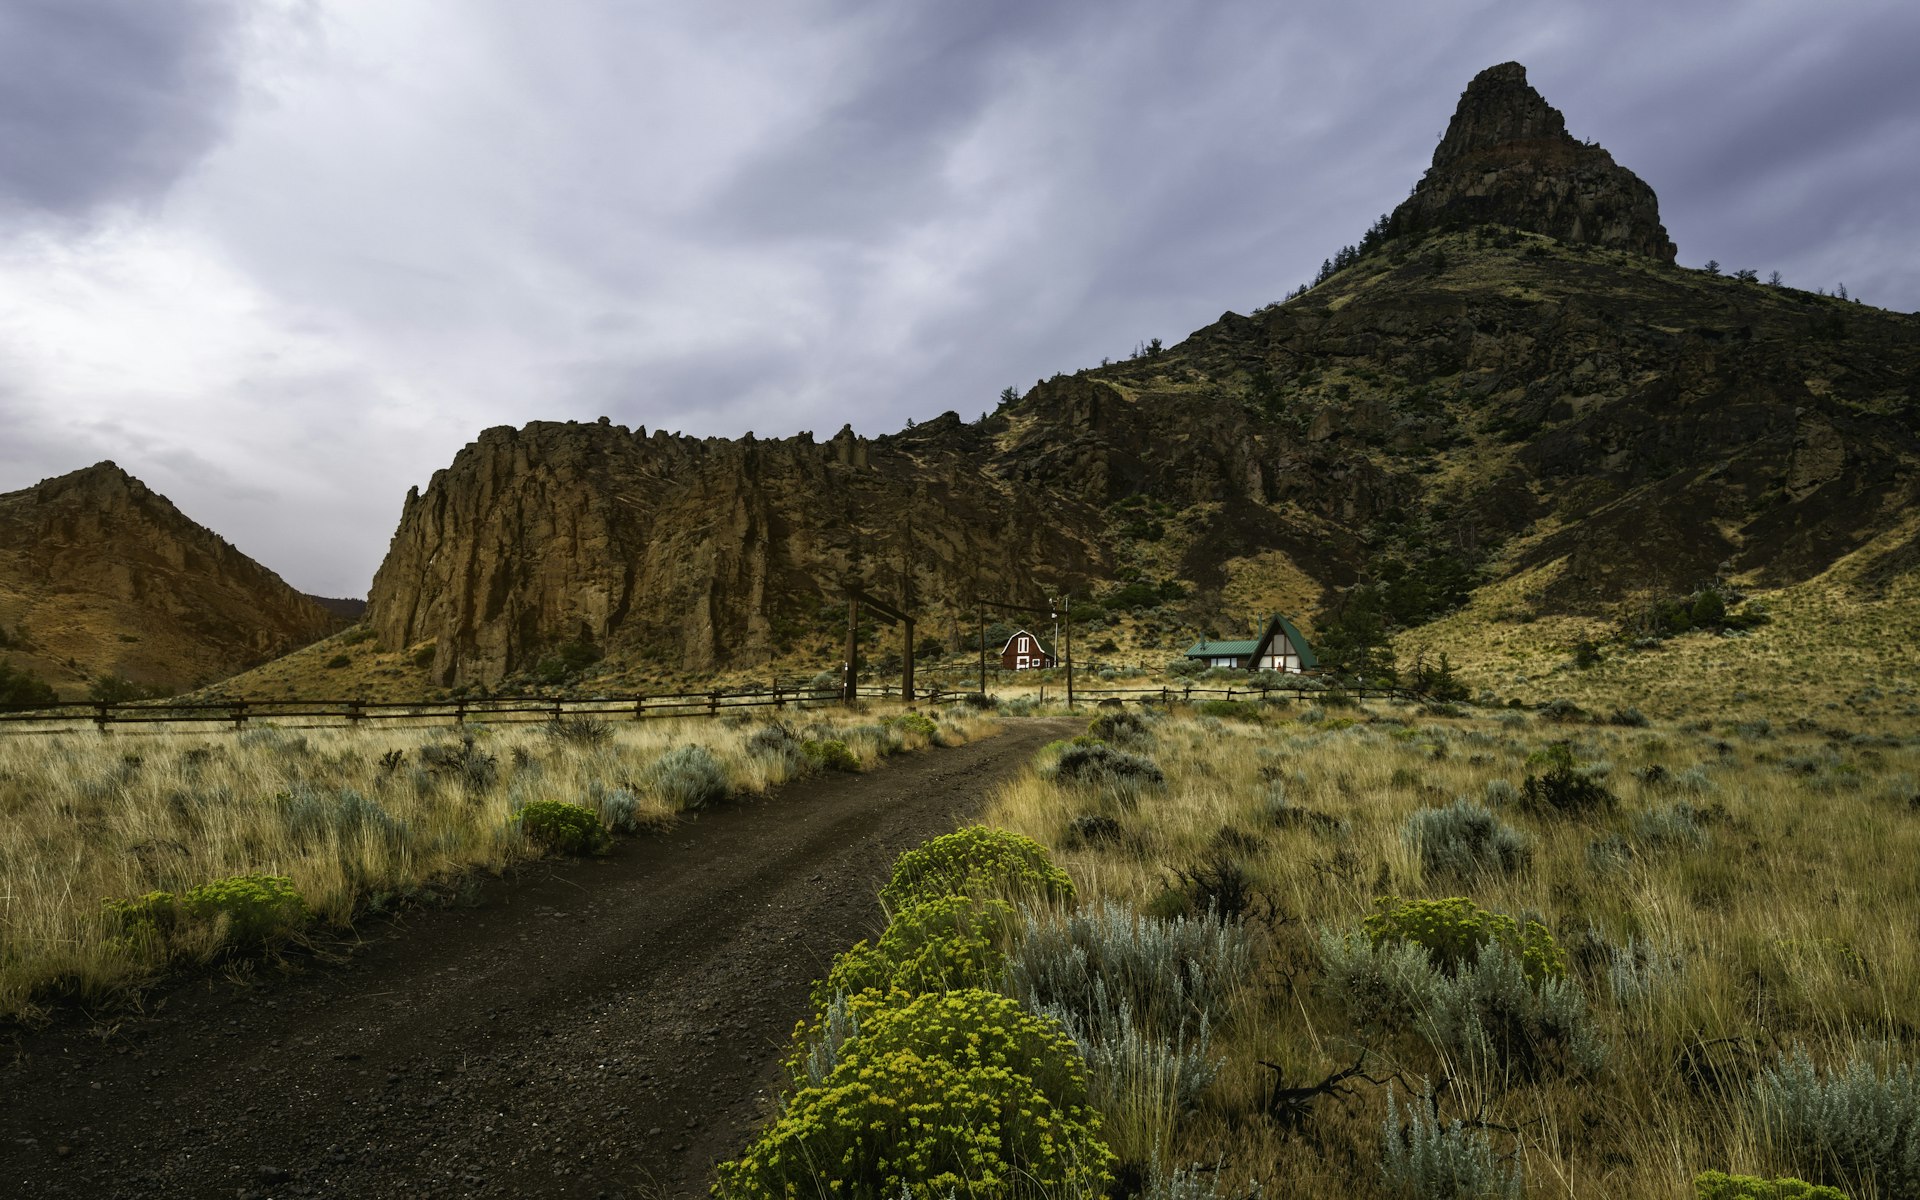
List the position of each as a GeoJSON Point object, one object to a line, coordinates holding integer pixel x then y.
{"type": "Point", "coordinates": [239, 713]}
{"type": "Point", "coordinates": [69, 714]}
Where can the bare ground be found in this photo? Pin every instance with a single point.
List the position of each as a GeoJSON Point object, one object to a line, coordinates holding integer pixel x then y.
{"type": "Point", "coordinates": [599, 1028]}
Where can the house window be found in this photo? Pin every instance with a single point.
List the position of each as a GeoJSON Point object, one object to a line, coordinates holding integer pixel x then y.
{"type": "Point", "coordinates": [1020, 663]}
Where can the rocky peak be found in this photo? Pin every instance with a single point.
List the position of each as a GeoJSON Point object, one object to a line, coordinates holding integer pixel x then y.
{"type": "Point", "coordinates": [111, 577]}
{"type": "Point", "coordinates": [1507, 159]}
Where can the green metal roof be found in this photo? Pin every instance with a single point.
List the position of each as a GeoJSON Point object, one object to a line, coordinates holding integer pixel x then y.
{"type": "Point", "coordinates": [1245, 649]}
{"type": "Point", "coordinates": [1307, 657]}
{"type": "Point", "coordinates": [1205, 649]}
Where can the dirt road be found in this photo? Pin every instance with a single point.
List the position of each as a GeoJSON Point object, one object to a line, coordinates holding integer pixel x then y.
{"type": "Point", "coordinates": [601, 1028]}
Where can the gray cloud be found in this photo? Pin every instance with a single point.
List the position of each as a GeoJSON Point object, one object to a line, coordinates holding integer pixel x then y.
{"type": "Point", "coordinates": [108, 100]}
{"type": "Point", "coordinates": [429, 218]}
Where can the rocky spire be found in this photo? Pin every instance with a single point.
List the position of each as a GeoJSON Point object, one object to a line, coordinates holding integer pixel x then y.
{"type": "Point", "coordinates": [1507, 159]}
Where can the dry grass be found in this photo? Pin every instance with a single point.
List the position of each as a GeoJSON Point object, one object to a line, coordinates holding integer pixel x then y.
{"type": "Point", "coordinates": [86, 817]}
{"type": "Point", "coordinates": [1795, 920]}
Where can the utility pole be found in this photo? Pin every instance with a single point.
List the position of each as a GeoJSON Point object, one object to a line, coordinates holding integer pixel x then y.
{"type": "Point", "coordinates": [852, 690]}
{"type": "Point", "coordinates": [1067, 612]}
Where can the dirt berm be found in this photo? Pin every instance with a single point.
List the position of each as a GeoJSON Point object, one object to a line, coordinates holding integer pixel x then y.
{"type": "Point", "coordinates": [597, 1028]}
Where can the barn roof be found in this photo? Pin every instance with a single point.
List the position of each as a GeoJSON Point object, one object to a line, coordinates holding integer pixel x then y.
{"type": "Point", "coordinates": [1036, 641]}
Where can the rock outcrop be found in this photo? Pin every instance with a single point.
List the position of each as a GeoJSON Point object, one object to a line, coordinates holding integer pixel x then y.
{"type": "Point", "coordinates": [1507, 159]}
{"type": "Point", "coordinates": [697, 553]}
{"type": "Point", "coordinates": [106, 576]}
{"type": "Point", "coordinates": [1498, 383]}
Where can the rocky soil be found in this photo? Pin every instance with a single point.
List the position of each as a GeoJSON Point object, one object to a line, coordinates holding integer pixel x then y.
{"type": "Point", "coordinates": [598, 1028]}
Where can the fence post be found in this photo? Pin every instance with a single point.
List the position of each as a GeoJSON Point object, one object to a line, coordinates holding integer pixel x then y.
{"type": "Point", "coordinates": [778, 702]}
{"type": "Point", "coordinates": [460, 711]}
{"type": "Point", "coordinates": [639, 706]}
{"type": "Point", "coordinates": [354, 715]}
{"type": "Point", "coordinates": [713, 703]}
{"type": "Point", "coordinates": [556, 708]}
{"type": "Point", "coordinates": [100, 717]}
{"type": "Point", "coordinates": [239, 713]}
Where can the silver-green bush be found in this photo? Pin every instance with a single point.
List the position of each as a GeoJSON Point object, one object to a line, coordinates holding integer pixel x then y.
{"type": "Point", "coordinates": [688, 777]}
{"type": "Point", "coordinates": [1852, 1125]}
{"type": "Point", "coordinates": [1425, 1160]}
{"type": "Point", "coordinates": [1464, 839]}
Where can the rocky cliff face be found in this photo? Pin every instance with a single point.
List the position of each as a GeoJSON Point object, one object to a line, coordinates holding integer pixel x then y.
{"type": "Point", "coordinates": [1498, 384]}
{"type": "Point", "coordinates": [1507, 159]}
{"type": "Point", "coordinates": [697, 553]}
{"type": "Point", "coordinates": [107, 577]}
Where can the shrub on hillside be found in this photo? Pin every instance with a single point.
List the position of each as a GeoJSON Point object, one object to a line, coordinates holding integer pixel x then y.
{"type": "Point", "coordinates": [829, 754]}
{"type": "Point", "coordinates": [463, 761]}
{"type": "Point", "coordinates": [313, 814]}
{"type": "Point", "coordinates": [1164, 970]}
{"type": "Point", "coordinates": [566, 828]}
{"type": "Point", "coordinates": [1562, 788]}
{"type": "Point", "coordinates": [1100, 765]}
{"type": "Point", "coordinates": [1486, 1013]}
{"type": "Point", "coordinates": [952, 1091]}
{"type": "Point", "coordinates": [1120, 727]}
{"type": "Point", "coordinates": [22, 690]}
{"type": "Point", "coordinates": [1712, 1185]}
{"type": "Point", "coordinates": [688, 777]}
{"type": "Point", "coordinates": [938, 945]}
{"type": "Point", "coordinates": [915, 723]}
{"type": "Point", "coordinates": [1454, 931]}
{"type": "Point", "coordinates": [1856, 1122]}
{"type": "Point", "coordinates": [256, 910]}
{"type": "Point", "coordinates": [1463, 840]}
{"type": "Point", "coordinates": [1425, 1160]}
{"type": "Point", "coordinates": [582, 731]}
{"type": "Point", "coordinates": [975, 861]}
{"type": "Point", "coordinates": [1229, 710]}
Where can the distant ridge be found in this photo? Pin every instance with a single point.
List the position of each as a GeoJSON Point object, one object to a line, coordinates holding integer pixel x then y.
{"type": "Point", "coordinates": [102, 576]}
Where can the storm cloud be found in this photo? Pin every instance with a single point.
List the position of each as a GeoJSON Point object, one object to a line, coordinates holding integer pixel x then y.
{"type": "Point", "coordinates": [282, 260]}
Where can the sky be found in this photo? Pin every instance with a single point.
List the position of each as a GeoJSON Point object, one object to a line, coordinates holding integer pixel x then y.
{"type": "Point", "coordinates": [282, 259]}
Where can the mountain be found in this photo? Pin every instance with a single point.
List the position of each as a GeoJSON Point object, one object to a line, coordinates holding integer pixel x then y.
{"type": "Point", "coordinates": [1507, 379]}
{"type": "Point", "coordinates": [102, 576]}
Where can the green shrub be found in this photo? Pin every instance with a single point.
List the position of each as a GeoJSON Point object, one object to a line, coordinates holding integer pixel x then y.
{"type": "Point", "coordinates": [259, 910]}
{"type": "Point", "coordinates": [918, 723]}
{"type": "Point", "coordinates": [311, 815]}
{"type": "Point", "coordinates": [961, 1091]}
{"type": "Point", "coordinates": [1486, 1012]}
{"type": "Point", "coordinates": [973, 861]}
{"type": "Point", "coordinates": [1562, 789]}
{"type": "Point", "coordinates": [1229, 710]}
{"type": "Point", "coordinates": [464, 761]}
{"type": "Point", "coordinates": [338, 661]}
{"type": "Point", "coordinates": [1464, 839]}
{"type": "Point", "coordinates": [829, 754]}
{"type": "Point", "coordinates": [423, 657]}
{"type": "Point", "coordinates": [688, 777]}
{"type": "Point", "coordinates": [1854, 1121]}
{"type": "Point", "coordinates": [938, 945]}
{"type": "Point", "coordinates": [566, 828]}
{"type": "Point", "coordinates": [1712, 1185]}
{"type": "Point", "coordinates": [1102, 765]}
{"type": "Point", "coordinates": [580, 731]}
{"type": "Point", "coordinates": [22, 690]}
{"type": "Point", "coordinates": [1119, 727]}
{"type": "Point", "coordinates": [1455, 930]}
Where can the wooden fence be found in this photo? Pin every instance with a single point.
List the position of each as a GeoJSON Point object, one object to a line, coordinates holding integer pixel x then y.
{"type": "Point", "coordinates": [506, 709]}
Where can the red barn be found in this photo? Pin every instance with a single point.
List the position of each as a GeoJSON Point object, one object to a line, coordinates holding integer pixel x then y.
{"type": "Point", "coordinates": [1023, 652]}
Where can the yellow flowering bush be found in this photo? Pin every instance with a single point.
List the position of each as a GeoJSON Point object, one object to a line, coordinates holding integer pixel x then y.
{"type": "Point", "coordinates": [1454, 930]}
{"type": "Point", "coordinates": [951, 942]}
{"type": "Point", "coordinates": [975, 860]}
{"type": "Point", "coordinates": [961, 1090]}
